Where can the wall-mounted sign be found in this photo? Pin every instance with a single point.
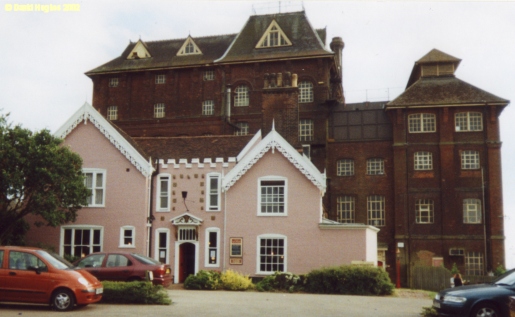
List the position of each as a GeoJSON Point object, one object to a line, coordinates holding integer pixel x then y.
{"type": "Point", "coordinates": [236, 261]}
{"type": "Point", "coordinates": [236, 247]}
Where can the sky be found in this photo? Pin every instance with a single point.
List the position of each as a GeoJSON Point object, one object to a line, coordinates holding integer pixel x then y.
{"type": "Point", "coordinates": [47, 49]}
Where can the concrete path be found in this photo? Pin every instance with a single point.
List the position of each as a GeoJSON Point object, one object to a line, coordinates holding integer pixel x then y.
{"type": "Point", "coordinates": [237, 304]}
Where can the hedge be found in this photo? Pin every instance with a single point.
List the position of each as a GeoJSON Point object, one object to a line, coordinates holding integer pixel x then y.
{"type": "Point", "coordinates": [136, 292]}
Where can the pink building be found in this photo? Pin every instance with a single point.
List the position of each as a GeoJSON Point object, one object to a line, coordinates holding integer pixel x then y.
{"type": "Point", "coordinates": [248, 203]}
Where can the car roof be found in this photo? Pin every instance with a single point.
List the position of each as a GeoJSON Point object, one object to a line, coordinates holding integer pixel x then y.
{"type": "Point", "coordinates": [20, 248]}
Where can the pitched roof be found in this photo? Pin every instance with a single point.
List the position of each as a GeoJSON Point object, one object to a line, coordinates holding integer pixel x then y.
{"type": "Point", "coordinates": [306, 41]}
{"type": "Point", "coordinates": [116, 136]}
{"type": "Point", "coordinates": [436, 56]}
{"type": "Point", "coordinates": [274, 141]}
{"type": "Point", "coordinates": [445, 91]}
{"type": "Point", "coordinates": [201, 147]}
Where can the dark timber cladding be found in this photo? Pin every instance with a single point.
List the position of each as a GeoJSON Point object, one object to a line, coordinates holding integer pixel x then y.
{"type": "Point", "coordinates": [424, 168]}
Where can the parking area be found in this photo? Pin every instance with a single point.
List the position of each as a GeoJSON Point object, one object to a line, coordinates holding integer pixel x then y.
{"type": "Point", "coordinates": [228, 304]}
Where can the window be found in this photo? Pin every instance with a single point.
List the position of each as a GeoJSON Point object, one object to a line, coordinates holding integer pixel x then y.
{"type": "Point", "coordinates": [272, 197]}
{"type": "Point", "coordinates": [113, 82]}
{"type": "Point", "coordinates": [241, 96]}
{"type": "Point", "coordinates": [472, 211]}
{"type": "Point", "coordinates": [208, 108]}
{"type": "Point", "coordinates": [189, 48]}
{"type": "Point", "coordinates": [273, 36]}
{"type": "Point", "coordinates": [375, 166]}
{"type": "Point", "coordinates": [243, 128]}
{"type": "Point", "coordinates": [162, 245]}
{"type": "Point", "coordinates": [306, 150]}
{"type": "Point", "coordinates": [271, 255]}
{"type": "Point", "coordinates": [306, 130]}
{"type": "Point", "coordinates": [213, 189]}
{"type": "Point", "coordinates": [160, 79]}
{"type": "Point", "coordinates": [474, 263]}
{"type": "Point", "coordinates": [159, 110]}
{"type": "Point", "coordinates": [25, 261]}
{"type": "Point", "coordinates": [80, 241]}
{"type": "Point", "coordinates": [424, 211]}
{"type": "Point", "coordinates": [422, 122]}
{"type": "Point", "coordinates": [345, 167]}
{"type": "Point", "coordinates": [212, 247]}
{"type": "Point", "coordinates": [117, 260]}
{"type": "Point", "coordinates": [112, 113]}
{"type": "Point", "coordinates": [345, 209]}
{"type": "Point", "coordinates": [423, 161]}
{"type": "Point", "coordinates": [305, 91]}
{"type": "Point", "coordinates": [376, 210]}
{"type": "Point", "coordinates": [127, 235]}
{"type": "Point", "coordinates": [95, 182]}
{"type": "Point", "coordinates": [163, 192]}
{"type": "Point", "coordinates": [187, 233]}
{"type": "Point", "coordinates": [470, 160]}
{"type": "Point", "coordinates": [469, 121]}
{"type": "Point", "coordinates": [209, 75]}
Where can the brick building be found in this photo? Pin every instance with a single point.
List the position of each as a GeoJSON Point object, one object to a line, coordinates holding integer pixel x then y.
{"type": "Point", "coordinates": [413, 166]}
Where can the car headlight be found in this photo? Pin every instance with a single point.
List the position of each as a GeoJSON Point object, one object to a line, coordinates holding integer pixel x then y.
{"type": "Point", "coordinates": [437, 296]}
{"type": "Point", "coordinates": [83, 281]}
{"type": "Point", "coordinates": [454, 299]}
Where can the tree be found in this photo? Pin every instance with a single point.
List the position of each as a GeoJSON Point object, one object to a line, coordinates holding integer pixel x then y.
{"type": "Point", "coordinates": [39, 176]}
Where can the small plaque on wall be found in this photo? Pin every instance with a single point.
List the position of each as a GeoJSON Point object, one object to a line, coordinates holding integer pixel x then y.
{"type": "Point", "coordinates": [236, 247]}
{"type": "Point", "coordinates": [236, 261]}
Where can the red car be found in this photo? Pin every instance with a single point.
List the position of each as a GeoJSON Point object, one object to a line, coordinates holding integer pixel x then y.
{"type": "Point", "coordinates": [125, 266]}
{"type": "Point", "coordinates": [33, 275]}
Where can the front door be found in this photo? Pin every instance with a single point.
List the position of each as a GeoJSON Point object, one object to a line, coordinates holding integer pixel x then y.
{"type": "Point", "coordinates": [186, 261]}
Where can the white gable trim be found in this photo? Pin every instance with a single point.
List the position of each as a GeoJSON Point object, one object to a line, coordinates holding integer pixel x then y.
{"type": "Point", "coordinates": [182, 50]}
{"type": "Point", "coordinates": [88, 113]}
{"type": "Point", "coordinates": [141, 51]}
{"type": "Point", "coordinates": [275, 141]}
{"type": "Point", "coordinates": [186, 219]}
{"type": "Point", "coordinates": [265, 37]}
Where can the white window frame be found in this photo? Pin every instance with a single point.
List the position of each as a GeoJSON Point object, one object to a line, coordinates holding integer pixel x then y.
{"type": "Point", "coordinates": [306, 130]}
{"type": "Point", "coordinates": [159, 110]}
{"type": "Point", "coordinates": [474, 264]}
{"type": "Point", "coordinates": [244, 128]}
{"type": "Point", "coordinates": [210, 206]}
{"type": "Point", "coordinates": [241, 96]}
{"type": "Point", "coordinates": [114, 82]}
{"type": "Point", "coordinates": [95, 187]}
{"type": "Point", "coordinates": [468, 121]}
{"type": "Point", "coordinates": [132, 230]}
{"type": "Point", "coordinates": [160, 194]}
{"type": "Point", "coordinates": [112, 113]}
{"type": "Point", "coordinates": [209, 249]}
{"type": "Point", "coordinates": [425, 211]}
{"type": "Point", "coordinates": [209, 75]}
{"type": "Point", "coordinates": [470, 160]}
{"type": "Point", "coordinates": [345, 209]}
{"type": "Point", "coordinates": [94, 247]}
{"type": "Point", "coordinates": [305, 92]}
{"type": "Point", "coordinates": [422, 122]}
{"type": "Point", "coordinates": [345, 167]}
{"type": "Point", "coordinates": [472, 211]}
{"type": "Point", "coordinates": [284, 255]}
{"type": "Point", "coordinates": [284, 196]}
{"type": "Point", "coordinates": [423, 161]}
{"type": "Point", "coordinates": [208, 108]}
{"type": "Point", "coordinates": [160, 79]}
{"type": "Point", "coordinates": [376, 210]}
{"type": "Point", "coordinates": [158, 249]}
{"type": "Point", "coordinates": [375, 166]}
{"type": "Point", "coordinates": [273, 37]}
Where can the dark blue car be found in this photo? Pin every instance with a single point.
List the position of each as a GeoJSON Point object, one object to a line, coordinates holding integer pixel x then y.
{"type": "Point", "coordinates": [481, 300]}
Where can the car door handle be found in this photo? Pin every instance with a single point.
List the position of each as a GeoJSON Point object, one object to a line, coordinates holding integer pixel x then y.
{"type": "Point", "coordinates": [12, 273]}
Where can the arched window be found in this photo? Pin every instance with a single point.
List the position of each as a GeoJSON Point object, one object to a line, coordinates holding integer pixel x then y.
{"type": "Point", "coordinates": [241, 96]}
{"type": "Point", "coordinates": [305, 91]}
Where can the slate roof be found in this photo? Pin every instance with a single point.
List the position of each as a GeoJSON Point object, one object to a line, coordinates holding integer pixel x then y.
{"type": "Point", "coordinates": [227, 48]}
{"type": "Point", "coordinates": [201, 147]}
{"type": "Point", "coordinates": [436, 56]}
{"type": "Point", "coordinates": [443, 90]}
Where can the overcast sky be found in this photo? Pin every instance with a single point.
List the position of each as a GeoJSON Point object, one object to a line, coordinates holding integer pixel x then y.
{"type": "Point", "coordinates": [45, 55]}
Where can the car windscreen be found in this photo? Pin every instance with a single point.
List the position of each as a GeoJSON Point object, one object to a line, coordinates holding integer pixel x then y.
{"type": "Point", "coordinates": [55, 260]}
{"type": "Point", "coordinates": [507, 279]}
{"type": "Point", "coordinates": [145, 259]}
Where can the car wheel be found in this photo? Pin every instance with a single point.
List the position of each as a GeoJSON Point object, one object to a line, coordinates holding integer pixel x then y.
{"type": "Point", "coordinates": [485, 310]}
{"type": "Point", "coordinates": [63, 300]}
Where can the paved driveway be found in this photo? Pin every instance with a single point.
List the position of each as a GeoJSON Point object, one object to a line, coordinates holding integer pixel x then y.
{"type": "Point", "coordinates": [237, 304]}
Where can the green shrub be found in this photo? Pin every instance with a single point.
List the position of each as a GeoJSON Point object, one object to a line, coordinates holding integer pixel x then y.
{"type": "Point", "coordinates": [429, 312]}
{"type": "Point", "coordinates": [349, 280]}
{"type": "Point", "coordinates": [499, 270]}
{"type": "Point", "coordinates": [235, 281]}
{"type": "Point", "coordinates": [134, 293]}
{"type": "Point", "coordinates": [206, 280]}
{"type": "Point", "coordinates": [281, 282]}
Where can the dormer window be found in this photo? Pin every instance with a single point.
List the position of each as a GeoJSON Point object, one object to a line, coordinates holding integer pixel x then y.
{"type": "Point", "coordinates": [189, 48]}
{"type": "Point", "coordinates": [139, 51]}
{"type": "Point", "coordinates": [273, 37]}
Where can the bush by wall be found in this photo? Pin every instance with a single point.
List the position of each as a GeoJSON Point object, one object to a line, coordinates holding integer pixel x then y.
{"type": "Point", "coordinates": [213, 280]}
{"type": "Point", "coordinates": [349, 280]}
{"type": "Point", "coordinates": [134, 293]}
{"type": "Point", "coordinates": [282, 282]}
{"type": "Point", "coordinates": [234, 281]}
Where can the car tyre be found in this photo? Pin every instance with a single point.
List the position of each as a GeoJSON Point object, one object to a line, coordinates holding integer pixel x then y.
{"type": "Point", "coordinates": [485, 310]}
{"type": "Point", "coordinates": [63, 300]}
